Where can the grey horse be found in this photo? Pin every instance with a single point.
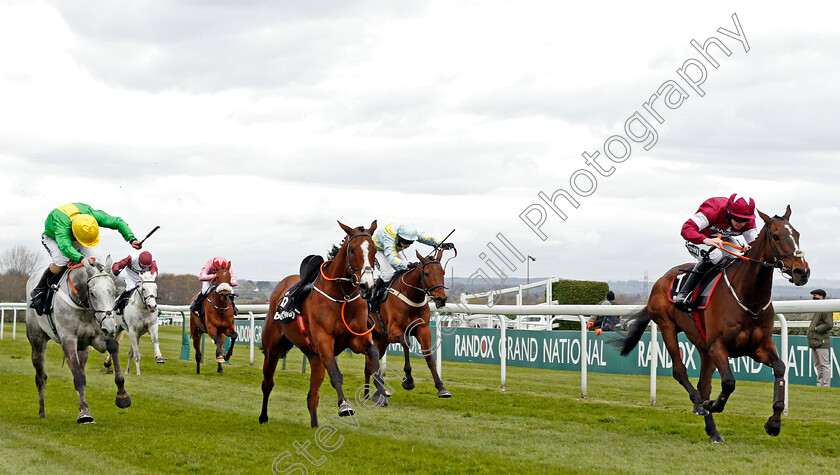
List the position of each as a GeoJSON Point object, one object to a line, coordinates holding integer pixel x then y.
{"type": "Point", "coordinates": [82, 316]}
{"type": "Point", "coordinates": [139, 317]}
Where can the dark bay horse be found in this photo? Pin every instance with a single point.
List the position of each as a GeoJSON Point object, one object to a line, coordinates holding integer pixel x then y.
{"type": "Point", "coordinates": [738, 321]}
{"type": "Point", "coordinates": [218, 318]}
{"type": "Point", "coordinates": [82, 317]}
{"type": "Point", "coordinates": [405, 313]}
{"type": "Point", "coordinates": [333, 318]}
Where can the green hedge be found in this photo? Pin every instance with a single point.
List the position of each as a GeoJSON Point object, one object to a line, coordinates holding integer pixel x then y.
{"type": "Point", "coordinates": [578, 292]}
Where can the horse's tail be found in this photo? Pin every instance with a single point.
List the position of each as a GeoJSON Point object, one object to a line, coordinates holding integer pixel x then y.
{"type": "Point", "coordinates": [630, 339]}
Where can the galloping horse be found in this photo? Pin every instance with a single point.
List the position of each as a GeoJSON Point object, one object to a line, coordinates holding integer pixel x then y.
{"type": "Point", "coordinates": [333, 317]}
{"type": "Point", "coordinates": [81, 317]}
{"type": "Point", "coordinates": [405, 313]}
{"type": "Point", "coordinates": [218, 318]}
{"type": "Point", "coordinates": [738, 321]}
{"type": "Point", "coordinates": [139, 317]}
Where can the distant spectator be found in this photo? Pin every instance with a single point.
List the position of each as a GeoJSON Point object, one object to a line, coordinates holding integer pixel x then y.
{"type": "Point", "coordinates": [603, 322]}
{"type": "Point", "coordinates": [820, 342]}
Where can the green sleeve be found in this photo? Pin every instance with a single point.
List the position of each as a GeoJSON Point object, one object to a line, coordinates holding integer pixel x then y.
{"type": "Point", "coordinates": [113, 222]}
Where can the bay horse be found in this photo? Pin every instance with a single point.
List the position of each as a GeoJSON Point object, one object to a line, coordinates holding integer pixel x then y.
{"type": "Point", "coordinates": [738, 321]}
{"type": "Point", "coordinates": [218, 318]}
{"type": "Point", "coordinates": [333, 318]}
{"type": "Point", "coordinates": [140, 316]}
{"type": "Point", "coordinates": [81, 317]}
{"type": "Point", "coordinates": [405, 313]}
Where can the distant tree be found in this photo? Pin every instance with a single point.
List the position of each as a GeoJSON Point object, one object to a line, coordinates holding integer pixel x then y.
{"type": "Point", "coordinates": [18, 261]}
{"type": "Point", "coordinates": [177, 289]}
{"type": "Point", "coordinates": [13, 288]}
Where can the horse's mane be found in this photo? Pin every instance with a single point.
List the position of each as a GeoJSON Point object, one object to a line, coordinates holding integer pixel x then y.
{"type": "Point", "coordinates": [334, 251]}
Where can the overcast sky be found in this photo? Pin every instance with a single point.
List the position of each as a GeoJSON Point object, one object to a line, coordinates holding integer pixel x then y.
{"type": "Point", "coordinates": [247, 128]}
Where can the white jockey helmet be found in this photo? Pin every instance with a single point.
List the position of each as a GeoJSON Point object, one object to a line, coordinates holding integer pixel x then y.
{"type": "Point", "coordinates": [407, 232]}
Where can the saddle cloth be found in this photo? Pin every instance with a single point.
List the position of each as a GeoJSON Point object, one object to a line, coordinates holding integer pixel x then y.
{"type": "Point", "coordinates": [699, 298]}
{"type": "Point", "coordinates": [289, 306]}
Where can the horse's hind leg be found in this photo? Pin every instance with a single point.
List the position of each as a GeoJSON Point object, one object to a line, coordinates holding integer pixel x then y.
{"type": "Point", "coordinates": [197, 345]}
{"type": "Point", "coordinates": [316, 377]}
{"type": "Point", "coordinates": [424, 336]}
{"type": "Point", "coordinates": [39, 350]}
{"type": "Point", "coordinates": [71, 356]}
{"type": "Point", "coordinates": [704, 385]}
{"type": "Point", "coordinates": [272, 356]}
{"type": "Point", "coordinates": [768, 355]}
{"type": "Point", "coordinates": [669, 337]}
{"type": "Point", "coordinates": [408, 382]}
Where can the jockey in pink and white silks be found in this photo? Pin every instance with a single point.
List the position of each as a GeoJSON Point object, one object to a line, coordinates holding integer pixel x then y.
{"type": "Point", "coordinates": [206, 276]}
{"type": "Point", "coordinates": [392, 240]}
{"type": "Point", "coordinates": [727, 217]}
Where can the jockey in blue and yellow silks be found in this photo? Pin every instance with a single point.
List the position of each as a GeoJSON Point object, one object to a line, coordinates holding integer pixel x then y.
{"type": "Point", "coordinates": [392, 240]}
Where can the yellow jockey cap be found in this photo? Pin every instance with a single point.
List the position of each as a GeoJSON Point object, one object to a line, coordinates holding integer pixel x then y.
{"type": "Point", "coordinates": [86, 230]}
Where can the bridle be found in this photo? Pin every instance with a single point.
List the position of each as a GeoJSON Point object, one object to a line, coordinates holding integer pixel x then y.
{"type": "Point", "coordinates": [80, 305]}
{"type": "Point", "coordinates": [144, 296]}
{"type": "Point", "coordinates": [424, 288]}
{"type": "Point", "coordinates": [353, 280]}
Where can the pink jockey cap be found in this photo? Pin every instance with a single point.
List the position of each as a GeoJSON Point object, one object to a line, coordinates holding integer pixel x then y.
{"type": "Point", "coordinates": [741, 206]}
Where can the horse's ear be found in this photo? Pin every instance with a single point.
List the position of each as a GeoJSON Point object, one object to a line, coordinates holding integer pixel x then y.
{"type": "Point", "coordinates": [763, 216]}
{"type": "Point", "coordinates": [88, 266]}
{"type": "Point", "coordinates": [230, 264]}
{"type": "Point", "coordinates": [787, 213]}
{"type": "Point", "coordinates": [372, 227]}
{"type": "Point", "coordinates": [422, 259]}
{"type": "Point", "coordinates": [108, 263]}
{"type": "Point", "coordinates": [347, 229]}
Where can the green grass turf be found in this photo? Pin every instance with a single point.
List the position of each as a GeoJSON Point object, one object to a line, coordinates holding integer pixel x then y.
{"type": "Point", "coordinates": [183, 422]}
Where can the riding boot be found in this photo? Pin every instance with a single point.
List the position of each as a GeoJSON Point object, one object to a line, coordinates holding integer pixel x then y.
{"type": "Point", "coordinates": [122, 301]}
{"type": "Point", "coordinates": [681, 300]}
{"type": "Point", "coordinates": [378, 289]}
{"type": "Point", "coordinates": [197, 303]}
{"type": "Point", "coordinates": [39, 293]}
{"type": "Point", "coordinates": [235, 310]}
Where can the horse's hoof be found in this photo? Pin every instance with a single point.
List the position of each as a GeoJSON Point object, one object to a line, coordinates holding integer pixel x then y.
{"type": "Point", "coordinates": [716, 438]}
{"type": "Point", "coordinates": [160, 360]}
{"type": "Point", "coordinates": [263, 418]}
{"type": "Point", "coordinates": [123, 401]}
{"type": "Point", "coordinates": [408, 384]}
{"type": "Point", "coordinates": [220, 370]}
{"type": "Point", "coordinates": [387, 393]}
{"type": "Point", "coordinates": [85, 418]}
{"type": "Point", "coordinates": [772, 429]}
{"type": "Point", "coordinates": [380, 400]}
{"type": "Point", "coordinates": [443, 394]}
{"type": "Point", "coordinates": [699, 410]}
{"type": "Point", "coordinates": [220, 359]}
{"type": "Point", "coordinates": [227, 357]}
{"type": "Point", "coordinates": [345, 409]}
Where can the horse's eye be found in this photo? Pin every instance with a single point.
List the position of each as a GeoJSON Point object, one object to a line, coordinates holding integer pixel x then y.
{"type": "Point", "coordinates": [775, 237]}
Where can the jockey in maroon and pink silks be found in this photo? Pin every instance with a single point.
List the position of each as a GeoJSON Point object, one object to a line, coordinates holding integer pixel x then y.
{"type": "Point", "coordinates": [727, 217]}
{"type": "Point", "coordinates": [206, 276]}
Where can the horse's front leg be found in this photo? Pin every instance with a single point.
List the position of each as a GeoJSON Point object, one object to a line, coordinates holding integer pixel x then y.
{"type": "Point", "coordinates": [424, 336]}
{"type": "Point", "coordinates": [134, 352]}
{"type": "Point", "coordinates": [233, 336]}
{"type": "Point", "coordinates": [768, 355]}
{"type": "Point", "coordinates": [325, 351]}
{"type": "Point", "coordinates": [153, 334]}
{"type": "Point", "coordinates": [720, 358]}
{"type": "Point", "coordinates": [113, 347]}
{"type": "Point", "coordinates": [380, 397]}
{"type": "Point", "coordinates": [71, 356]}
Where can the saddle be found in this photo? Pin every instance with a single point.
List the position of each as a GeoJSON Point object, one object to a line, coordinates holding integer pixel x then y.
{"type": "Point", "coordinates": [700, 295]}
{"type": "Point", "coordinates": [289, 307]}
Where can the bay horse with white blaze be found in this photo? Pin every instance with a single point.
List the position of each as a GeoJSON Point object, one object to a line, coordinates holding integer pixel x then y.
{"type": "Point", "coordinates": [405, 313]}
{"type": "Point", "coordinates": [738, 321]}
{"type": "Point", "coordinates": [333, 317]}
{"type": "Point", "coordinates": [218, 318]}
{"type": "Point", "coordinates": [82, 316]}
